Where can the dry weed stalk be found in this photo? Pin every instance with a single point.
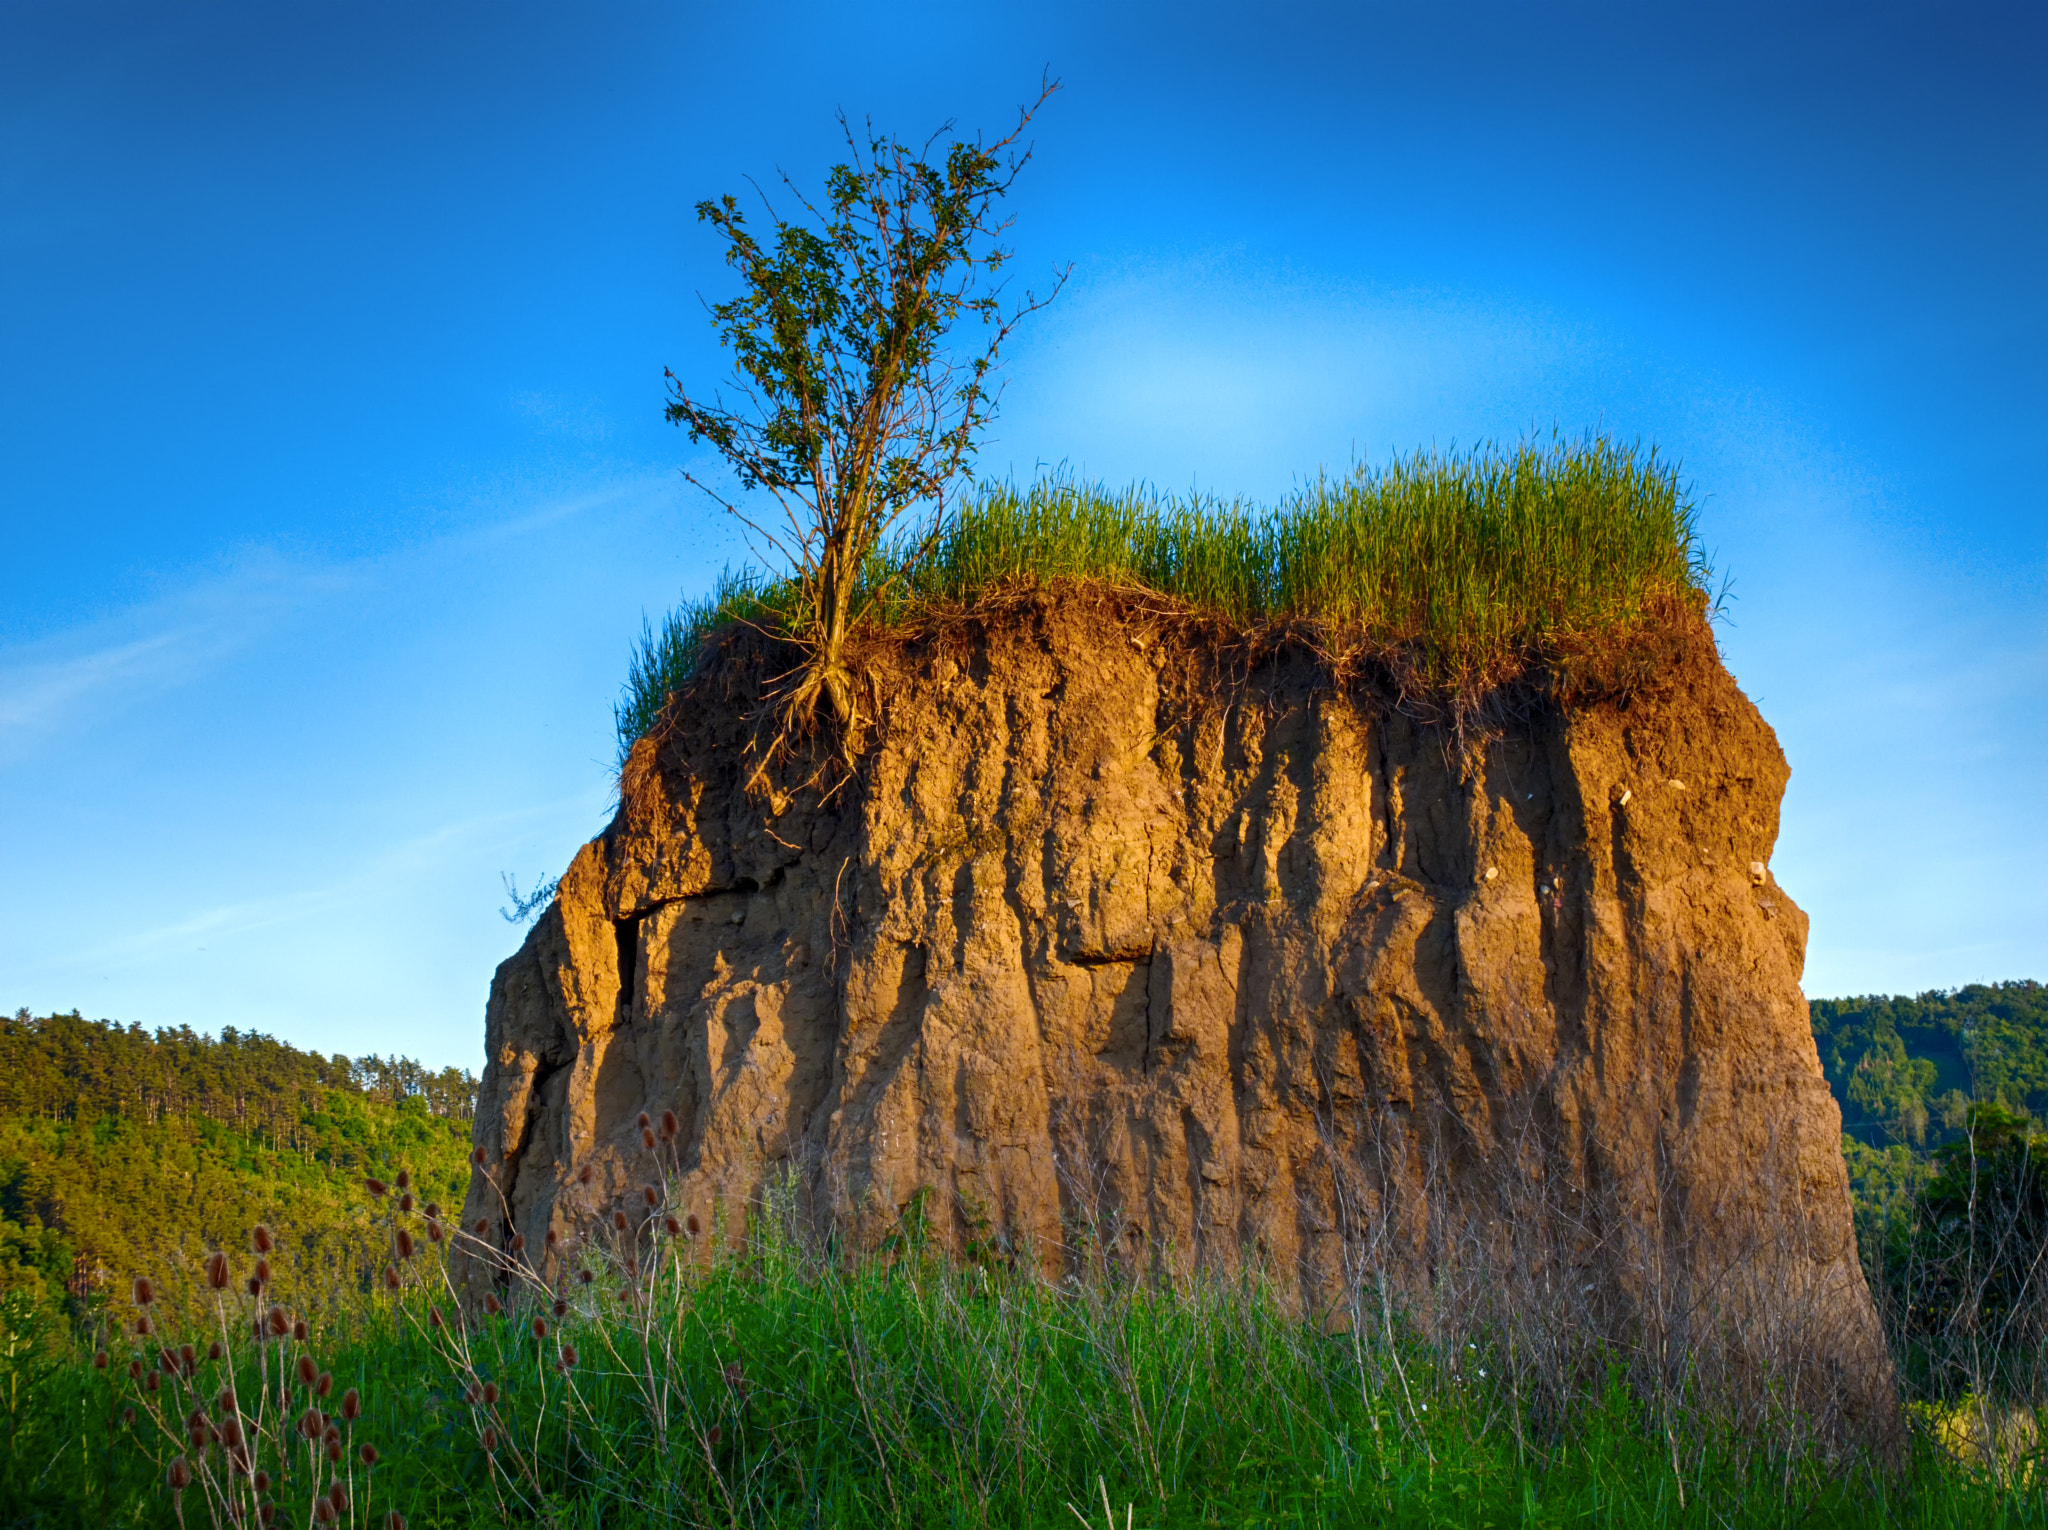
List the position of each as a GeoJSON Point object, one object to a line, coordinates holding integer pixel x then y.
{"type": "Point", "coordinates": [246, 1454]}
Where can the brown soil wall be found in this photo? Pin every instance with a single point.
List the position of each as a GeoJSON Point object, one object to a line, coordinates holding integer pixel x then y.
{"type": "Point", "coordinates": [1125, 950]}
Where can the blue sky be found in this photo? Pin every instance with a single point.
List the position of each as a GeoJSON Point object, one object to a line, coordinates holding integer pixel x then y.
{"type": "Point", "coordinates": [335, 484]}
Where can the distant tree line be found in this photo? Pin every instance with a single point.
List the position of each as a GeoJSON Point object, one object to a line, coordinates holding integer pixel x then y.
{"type": "Point", "coordinates": [65, 1067]}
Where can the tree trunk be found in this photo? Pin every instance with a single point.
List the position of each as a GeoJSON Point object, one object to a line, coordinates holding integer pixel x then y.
{"type": "Point", "coordinates": [838, 570]}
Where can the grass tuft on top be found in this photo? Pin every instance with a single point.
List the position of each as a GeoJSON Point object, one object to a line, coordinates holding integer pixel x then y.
{"type": "Point", "coordinates": [1468, 570]}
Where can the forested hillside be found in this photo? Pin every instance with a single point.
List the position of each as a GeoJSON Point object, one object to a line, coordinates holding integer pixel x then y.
{"type": "Point", "coordinates": [1907, 1070]}
{"type": "Point", "coordinates": [126, 1152]}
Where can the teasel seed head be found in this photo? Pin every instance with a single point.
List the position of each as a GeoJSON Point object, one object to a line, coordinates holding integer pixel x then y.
{"type": "Point", "coordinates": [650, 1195]}
{"type": "Point", "coordinates": [255, 1286]}
{"type": "Point", "coordinates": [568, 1357]}
{"type": "Point", "coordinates": [619, 1220]}
{"type": "Point", "coordinates": [214, 1351]}
{"type": "Point", "coordinates": [99, 1360]}
{"type": "Point", "coordinates": [405, 1203]}
{"type": "Point", "coordinates": [231, 1432]}
{"type": "Point", "coordinates": [134, 1370]}
{"type": "Point", "coordinates": [540, 1328]}
{"type": "Point", "coordinates": [403, 1180]}
{"type": "Point", "coordinates": [561, 1307]}
{"type": "Point", "coordinates": [477, 1157]}
{"type": "Point", "coordinates": [693, 1224]}
{"type": "Point", "coordinates": [188, 1357]}
{"type": "Point", "coordinates": [519, 1243]}
{"type": "Point", "coordinates": [179, 1476]}
{"type": "Point", "coordinates": [394, 1521]}
{"type": "Point", "coordinates": [483, 1227]}
{"type": "Point", "coordinates": [553, 1238]}
{"type": "Point", "coordinates": [351, 1405]}
{"type": "Point", "coordinates": [309, 1424]}
{"type": "Point", "coordinates": [433, 1231]}
{"type": "Point", "coordinates": [128, 1417]}
{"type": "Point", "coordinates": [376, 1186]}
{"type": "Point", "coordinates": [670, 1126]}
{"type": "Point", "coordinates": [151, 1382]}
{"type": "Point", "coordinates": [259, 1238]}
{"type": "Point", "coordinates": [307, 1370]}
{"type": "Point", "coordinates": [490, 1394]}
{"type": "Point", "coordinates": [672, 1227]}
{"type": "Point", "coordinates": [646, 1138]}
{"type": "Point", "coordinates": [490, 1440]}
{"type": "Point", "coordinates": [323, 1512]}
{"type": "Point", "coordinates": [338, 1496]}
{"type": "Point", "coordinates": [300, 1330]}
{"type": "Point", "coordinates": [404, 1244]}
{"type": "Point", "coordinates": [583, 1175]}
{"type": "Point", "coordinates": [585, 1276]}
{"type": "Point", "coordinates": [332, 1445]}
{"type": "Point", "coordinates": [432, 1210]}
{"type": "Point", "coordinates": [267, 1515]}
{"type": "Point", "coordinates": [492, 1305]}
{"type": "Point", "coordinates": [325, 1385]}
{"type": "Point", "coordinates": [368, 1455]}
{"type": "Point", "coordinates": [217, 1274]}
{"type": "Point", "coordinates": [713, 1436]}
{"type": "Point", "coordinates": [280, 1324]}
{"type": "Point", "coordinates": [144, 1291]}
{"type": "Point", "coordinates": [390, 1277]}
{"type": "Point", "coordinates": [143, 1326]}
{"type": "Point", "coordinates": [643, 1122]}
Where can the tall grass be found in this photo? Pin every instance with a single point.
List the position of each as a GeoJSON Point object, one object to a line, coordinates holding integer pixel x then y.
{"type": "Point", "coordinates": [1472, 567]}
{"type": "Point", "coordinates": [769, 1384]}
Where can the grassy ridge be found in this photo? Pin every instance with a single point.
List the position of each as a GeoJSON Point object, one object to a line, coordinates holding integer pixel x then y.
{"type": "Point", "coordinates": [1473, 568]}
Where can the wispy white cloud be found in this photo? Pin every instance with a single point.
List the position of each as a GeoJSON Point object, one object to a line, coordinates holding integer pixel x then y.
{"type": "Point", "coordinates": [553, 509]}
{"type": "Point", "coordinates": [93, 670]}
{"type": "Point", "coordinates": [371, 879]}
{"type": "Point", "coordinates": [36, 695]}
{"type": "Point", "coordinates": [54, 685]}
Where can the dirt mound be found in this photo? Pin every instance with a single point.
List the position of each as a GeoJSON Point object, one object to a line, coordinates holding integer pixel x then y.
{"type": "Point", "coordinates": [1124, 948]}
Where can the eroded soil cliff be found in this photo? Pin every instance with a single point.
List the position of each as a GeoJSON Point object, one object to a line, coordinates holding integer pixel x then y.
{"type": "Point", "coordinates": [1123, 950]}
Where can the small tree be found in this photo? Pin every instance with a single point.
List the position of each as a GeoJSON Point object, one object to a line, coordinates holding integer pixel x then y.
{"type": "Point", "coordinates": [853, 412]}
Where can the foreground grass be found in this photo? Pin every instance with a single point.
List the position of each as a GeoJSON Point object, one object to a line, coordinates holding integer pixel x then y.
{"type": "Point", "coordinates": [1470, 569]}
{"type": "Point", "coordinates": [771, 1390]}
